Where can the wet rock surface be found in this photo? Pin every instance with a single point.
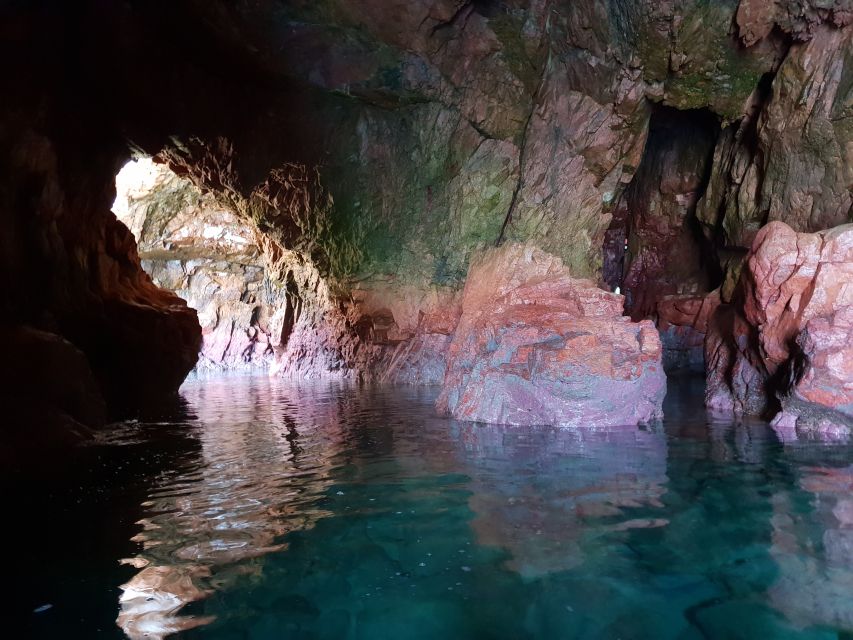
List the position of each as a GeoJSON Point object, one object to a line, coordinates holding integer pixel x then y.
{"type": "Point", "coordinates": [536, 346]}
{"type": "Point", "coordinates": [792, 338]}
{"type": "Point", "coordinates": [375, 148]}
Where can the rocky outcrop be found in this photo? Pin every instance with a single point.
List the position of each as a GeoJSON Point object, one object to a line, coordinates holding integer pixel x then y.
{"type": "Point", "coordinates": [375, 148]}
{"type": "Point", "coordinates": [536, 346]}
{"type": "Point", "coordinates": [534, 138]}
{"type": "Point", "coordinates": [793, 337]}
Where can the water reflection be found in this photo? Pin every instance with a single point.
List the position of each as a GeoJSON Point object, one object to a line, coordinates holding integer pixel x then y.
{"type": "Point", "coordinates": [813, 539]}
{"type": "Point", "coordinates": [266, 454]}
{"type": "Point", "coordinates": [338, 512]}
{"type": "Point", "coordinates": [536, 491]}
{"type": "Point", "coordinates": [270, 452]}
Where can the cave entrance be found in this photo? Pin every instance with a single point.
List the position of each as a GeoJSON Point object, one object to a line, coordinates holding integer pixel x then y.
{"type": "Point", "coordinates": [190, 243]}
{"type": "Point", "coordinates": [655, 249]}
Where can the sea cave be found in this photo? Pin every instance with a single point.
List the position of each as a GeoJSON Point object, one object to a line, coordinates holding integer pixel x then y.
{"type": "Point", "coordinates": [415, 319]}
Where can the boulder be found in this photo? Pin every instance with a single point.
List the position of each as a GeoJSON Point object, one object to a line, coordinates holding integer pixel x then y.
{"type": "Point", "coordinates": [796, 328]}
{"type": "Point", "coordinates": [536, 346]}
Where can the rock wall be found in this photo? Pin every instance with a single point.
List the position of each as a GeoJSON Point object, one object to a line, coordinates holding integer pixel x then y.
{"type": "Point", "coordinates": [567, 125]}
{"type": "Point", "coordinates": [534, 137]}
{"type": "Point", "coordinates": [376, 147]}
{"type": "Point", "coordinates": [792, 330]}
{"type": "Point", "coordinates": [78, 313]}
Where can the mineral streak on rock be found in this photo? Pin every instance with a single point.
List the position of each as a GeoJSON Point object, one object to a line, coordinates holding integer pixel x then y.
{"type": "Point", "coordinates": [792, 336]}
{"type": "Point", "coordinates": [374, 148]}
{"type": "Point", "coordinates": [536, 346]}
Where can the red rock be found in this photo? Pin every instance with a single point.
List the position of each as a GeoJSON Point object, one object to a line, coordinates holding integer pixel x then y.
{"type": "Point", "coordinates": [797, 325]}
{"type": "Point", "coordinates": [735, 376]}
{"type": "Point", "coordinates": [536, 346]}
{"type": "Point", "coordinates": [683, 323]}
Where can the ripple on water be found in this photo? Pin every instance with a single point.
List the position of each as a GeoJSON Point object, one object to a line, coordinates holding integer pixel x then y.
{"type": "Point", "coordinates": [330, 511]}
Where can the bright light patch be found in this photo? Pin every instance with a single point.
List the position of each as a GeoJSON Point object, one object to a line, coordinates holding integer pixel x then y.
{"type": "Point", "coordinates": [136, 179]}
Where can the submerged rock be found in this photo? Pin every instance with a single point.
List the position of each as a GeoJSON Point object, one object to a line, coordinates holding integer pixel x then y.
{"type": "Point", "coordinates": [536, 346]}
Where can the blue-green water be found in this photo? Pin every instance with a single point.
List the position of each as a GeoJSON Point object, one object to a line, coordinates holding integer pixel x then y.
{"type": "Point", "coordinates": [258, 509]}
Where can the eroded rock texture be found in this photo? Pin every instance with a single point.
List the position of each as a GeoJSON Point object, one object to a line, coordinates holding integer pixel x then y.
{"type": "Point", "coordinates": [375, 147]}
{"type": "Point", "coordinates": [190, 244]}
{"type": "Point", "coordinates": [536, 346]}
{"type": "Point", "coordinates": [793, 333]}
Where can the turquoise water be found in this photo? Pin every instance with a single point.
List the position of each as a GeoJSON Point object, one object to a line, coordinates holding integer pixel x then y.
{"type": "Point", "coordinates": [259, 509]}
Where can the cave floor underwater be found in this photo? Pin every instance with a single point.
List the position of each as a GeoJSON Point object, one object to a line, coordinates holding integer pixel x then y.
{"type": "Point", "coordinates": [259, 508]}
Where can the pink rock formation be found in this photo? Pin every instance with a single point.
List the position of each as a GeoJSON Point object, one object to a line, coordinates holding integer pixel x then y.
{"type": "Point", "coordinates": [799, 293]}
{"type": "Point", "coordinates": [536, 346]}
{"type": "Point", "coordinates": [795, 336]}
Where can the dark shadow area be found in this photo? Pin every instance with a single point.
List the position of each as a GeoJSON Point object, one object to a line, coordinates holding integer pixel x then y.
{"type": "Point", "coordinates": [71, 514]}
{"type": "Point", "coordinates": [654, 245]}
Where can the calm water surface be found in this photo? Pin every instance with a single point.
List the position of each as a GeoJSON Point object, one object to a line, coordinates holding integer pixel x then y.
{"type": "Point", "coordinates": [261, 509]}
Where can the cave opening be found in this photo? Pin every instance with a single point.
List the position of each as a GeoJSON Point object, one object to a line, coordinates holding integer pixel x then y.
{"type": "Point", "coordinates": [654, 245]}
{"type": "Point", "coordinates": [196, 246]}
{"type": "Point", "coordinates": [655, 249]}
